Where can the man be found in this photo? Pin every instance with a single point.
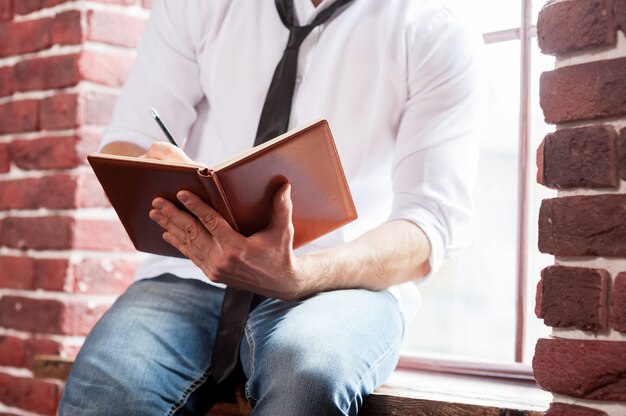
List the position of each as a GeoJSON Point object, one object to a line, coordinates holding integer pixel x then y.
{"type": "Point", "coordinates": [396, 80]}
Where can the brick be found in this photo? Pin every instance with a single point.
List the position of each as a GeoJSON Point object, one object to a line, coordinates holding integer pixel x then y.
{"type": "Point", "coordinates": [17, 272]}
{"type": "Point", "coordinates": [592, 370]}
{"type": "Point", "coordinates": [11, 351]}
{"type": "Point", "coordinates": [93, 276]}
{"type": "Point", "coordinates": [105, 68]}
{"type": "Point", "coordinates": [64, 111]}
{"type": "Point", "coordinates": [621, 153]}
{"type": "Point", "coordinates": [584, 92]}
{"type": "Point", "coordinates": [574, 297]}
{"type": "Point", "coordinates": [128, 29]}
{"type": "Point", "coordinates": [6, 81]}
{"type": "Point", "coordinates": [53, 152]}
{"type": "Point", "coordinates": [6, 10]}
{"type": "Point", "coordinates": [27, 273]}
{"type": "Point", "coordinates": [575, 25]}
{"type": "Point", "coordinates": [49, 316]}
{"type": "Point", "coordinates": [60, 112]}
{"type": "Point", "coordinates": [19, 116]}
{"type": "Point", "coordinates": [80, 317]}
{"type": "Point", "coordinates": [67, 28]}
{"type": "Point", "coordinates": [562, 409]}
{"type": "Point", "coordinates": [53, 275]}
{"type": "Point", "coordinates": [60, 191]}
{"type": "Point", "coordinates": [584, 157]}
{"type": "Point", "coordinates": [22, 37]}
{"type": "Point", "coordinates": [96, 108]}
{"type": "Point", "coordinates": [48, 72]}
{"type": "Point", "coordinates": [62, 233]}
{"type": "Point", "coordinates": [29, 394]}
{"type": "Point", "coordinates": [89, 193]}
{"type": "Point", "coordinates": [26, 193]}
{"type": "Point", "coordinates": [40, 233]}
{"type": "Point", "coordinates": [61, 71]}
{"type": "Point", "coordinates": [103, 276]}
{"type": "Point", "coordinates": [618, 303]}
{"type": "Point", "coordinates": [583, 226]}
{"type": "Point", "coordinates": [101, 235]}
{"type": "Point", "coordinates": [5, 158]}
{"type": "Point", "coordinates": [29, 6]}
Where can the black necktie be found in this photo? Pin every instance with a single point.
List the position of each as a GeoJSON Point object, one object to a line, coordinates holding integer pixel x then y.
{"type": "Point", "coordinates": [274, 121]}
{"type": "Point", "coordinates": [277, 107]}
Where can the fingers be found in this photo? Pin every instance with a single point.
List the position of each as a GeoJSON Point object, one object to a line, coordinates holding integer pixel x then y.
{"type": "Point", "coordinates": [212, 221]}
{"type": "Point", "coordinates": [179, 225]}
{"type": "Point", "coordinates": [167, 151]}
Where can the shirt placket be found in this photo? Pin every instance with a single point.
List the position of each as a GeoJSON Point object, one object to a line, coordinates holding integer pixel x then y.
{"type": "Point", "coordinates": [305, 59]}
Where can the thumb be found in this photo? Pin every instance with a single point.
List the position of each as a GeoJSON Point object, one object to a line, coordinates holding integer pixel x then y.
{"type": "Point", "coordinates": [282, 212]}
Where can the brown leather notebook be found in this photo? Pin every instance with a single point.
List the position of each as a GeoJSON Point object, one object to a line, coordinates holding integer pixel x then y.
{"type": "Point", "coordinates": [241, 189]}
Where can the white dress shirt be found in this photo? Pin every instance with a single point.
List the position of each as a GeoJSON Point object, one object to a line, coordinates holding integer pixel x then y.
{"type": "Point", "coordinates": [396, 80]}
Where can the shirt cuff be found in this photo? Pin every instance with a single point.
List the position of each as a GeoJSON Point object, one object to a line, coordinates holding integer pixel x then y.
{"type": "Point", "coordinates": [429, 224]}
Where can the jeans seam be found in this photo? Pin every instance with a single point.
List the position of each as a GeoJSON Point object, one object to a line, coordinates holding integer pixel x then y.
{"type": "Point", "coordinates": [188, 391]}
{"type": "Point", "coordinates": [250, 340]}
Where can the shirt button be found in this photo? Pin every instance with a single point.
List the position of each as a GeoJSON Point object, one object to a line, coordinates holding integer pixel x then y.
{"type": "Point", "coordinates": [298, 79]}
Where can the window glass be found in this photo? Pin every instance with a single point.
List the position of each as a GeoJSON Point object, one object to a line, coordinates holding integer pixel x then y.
{"type": "Point", "coordinates": [468, 308]}
{"type": "Point", "coordinates": [537, 5]}
{"type": "Point", "coordinates": [536, 261]}
{"type": "Point", "coordinates": [491, 15]}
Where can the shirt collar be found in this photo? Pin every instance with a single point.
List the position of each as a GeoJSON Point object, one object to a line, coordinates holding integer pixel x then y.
{"type": "Point", "coordinates": [305, 12]}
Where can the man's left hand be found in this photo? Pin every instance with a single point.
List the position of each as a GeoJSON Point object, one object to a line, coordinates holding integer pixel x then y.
{"type": "Point", "coordinates": [263, 263]}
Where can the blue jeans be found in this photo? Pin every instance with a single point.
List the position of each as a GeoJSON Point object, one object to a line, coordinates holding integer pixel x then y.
{"type": "Point", "coordinates": [149, 353]}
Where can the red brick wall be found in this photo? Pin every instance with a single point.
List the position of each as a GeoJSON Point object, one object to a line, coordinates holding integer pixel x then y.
{"type": "Point", "coordinates": [63, 256]}
{"type": "Point", "coordinates": [583, 296]}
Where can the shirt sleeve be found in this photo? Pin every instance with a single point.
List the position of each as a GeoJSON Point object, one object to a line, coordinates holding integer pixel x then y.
{"type": "Point", "coordinates": [436, 154]}
{"type": "Point", "coordinates": [165, 76]}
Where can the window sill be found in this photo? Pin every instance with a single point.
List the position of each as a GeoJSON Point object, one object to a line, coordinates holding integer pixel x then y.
{"type": "Point", "coordinates": [427, 393]}
{"type": "Point", "coordinates": [407, 393]}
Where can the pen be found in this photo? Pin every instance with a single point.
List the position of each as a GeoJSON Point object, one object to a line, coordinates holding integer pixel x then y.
{"type": "Point", "coordinates": [157, 118]}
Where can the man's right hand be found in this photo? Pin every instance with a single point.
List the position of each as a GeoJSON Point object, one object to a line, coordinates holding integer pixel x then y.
{"type": "Point", "coordinates": [157, 150]}
{"type": "Point", "coordinates": [167, 151]}
{"type": "Point", "coordinates": [123, 149]}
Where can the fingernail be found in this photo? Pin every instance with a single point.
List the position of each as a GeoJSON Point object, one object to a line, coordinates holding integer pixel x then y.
{"type": "Point", "coordinates": [155, 215]}
{"type": "Point", "coordinates": [158, 204]}
{"type": "Point", "coordinates": [183, 197]}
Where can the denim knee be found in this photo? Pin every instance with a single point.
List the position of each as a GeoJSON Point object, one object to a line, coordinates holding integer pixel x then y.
{"type": "Point", "coordinates": [300, 377]}
{"type": "Point", "coordinates": [320, 356]}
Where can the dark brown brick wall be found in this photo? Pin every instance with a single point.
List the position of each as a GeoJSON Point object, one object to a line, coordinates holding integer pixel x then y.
{"type": "Point", "coordinates": [575, 25]}
{"type": "Point", "coordinates": [574, 297]}
{"type": "Point", "coordinates": [586, 91]}
{"type": "Point", "coordinates": [583, 226]}
{"type": "Point", "coordinates": [584, 157]}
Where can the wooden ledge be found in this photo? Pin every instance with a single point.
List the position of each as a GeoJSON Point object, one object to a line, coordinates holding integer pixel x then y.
{"type": "Point", "coordinates": [52, 366]}
{"type": "Point", "coordinates": [422, 393]}
{"type": "Point", "coordinates": [406, 393]}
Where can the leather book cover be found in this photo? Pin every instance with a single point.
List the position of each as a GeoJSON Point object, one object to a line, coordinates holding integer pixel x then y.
{"type": "Point", "coordinates": [241, 189]}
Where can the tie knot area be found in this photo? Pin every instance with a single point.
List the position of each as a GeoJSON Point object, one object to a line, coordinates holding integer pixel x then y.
{"type": "Point", "coordinates": [297, 34]}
